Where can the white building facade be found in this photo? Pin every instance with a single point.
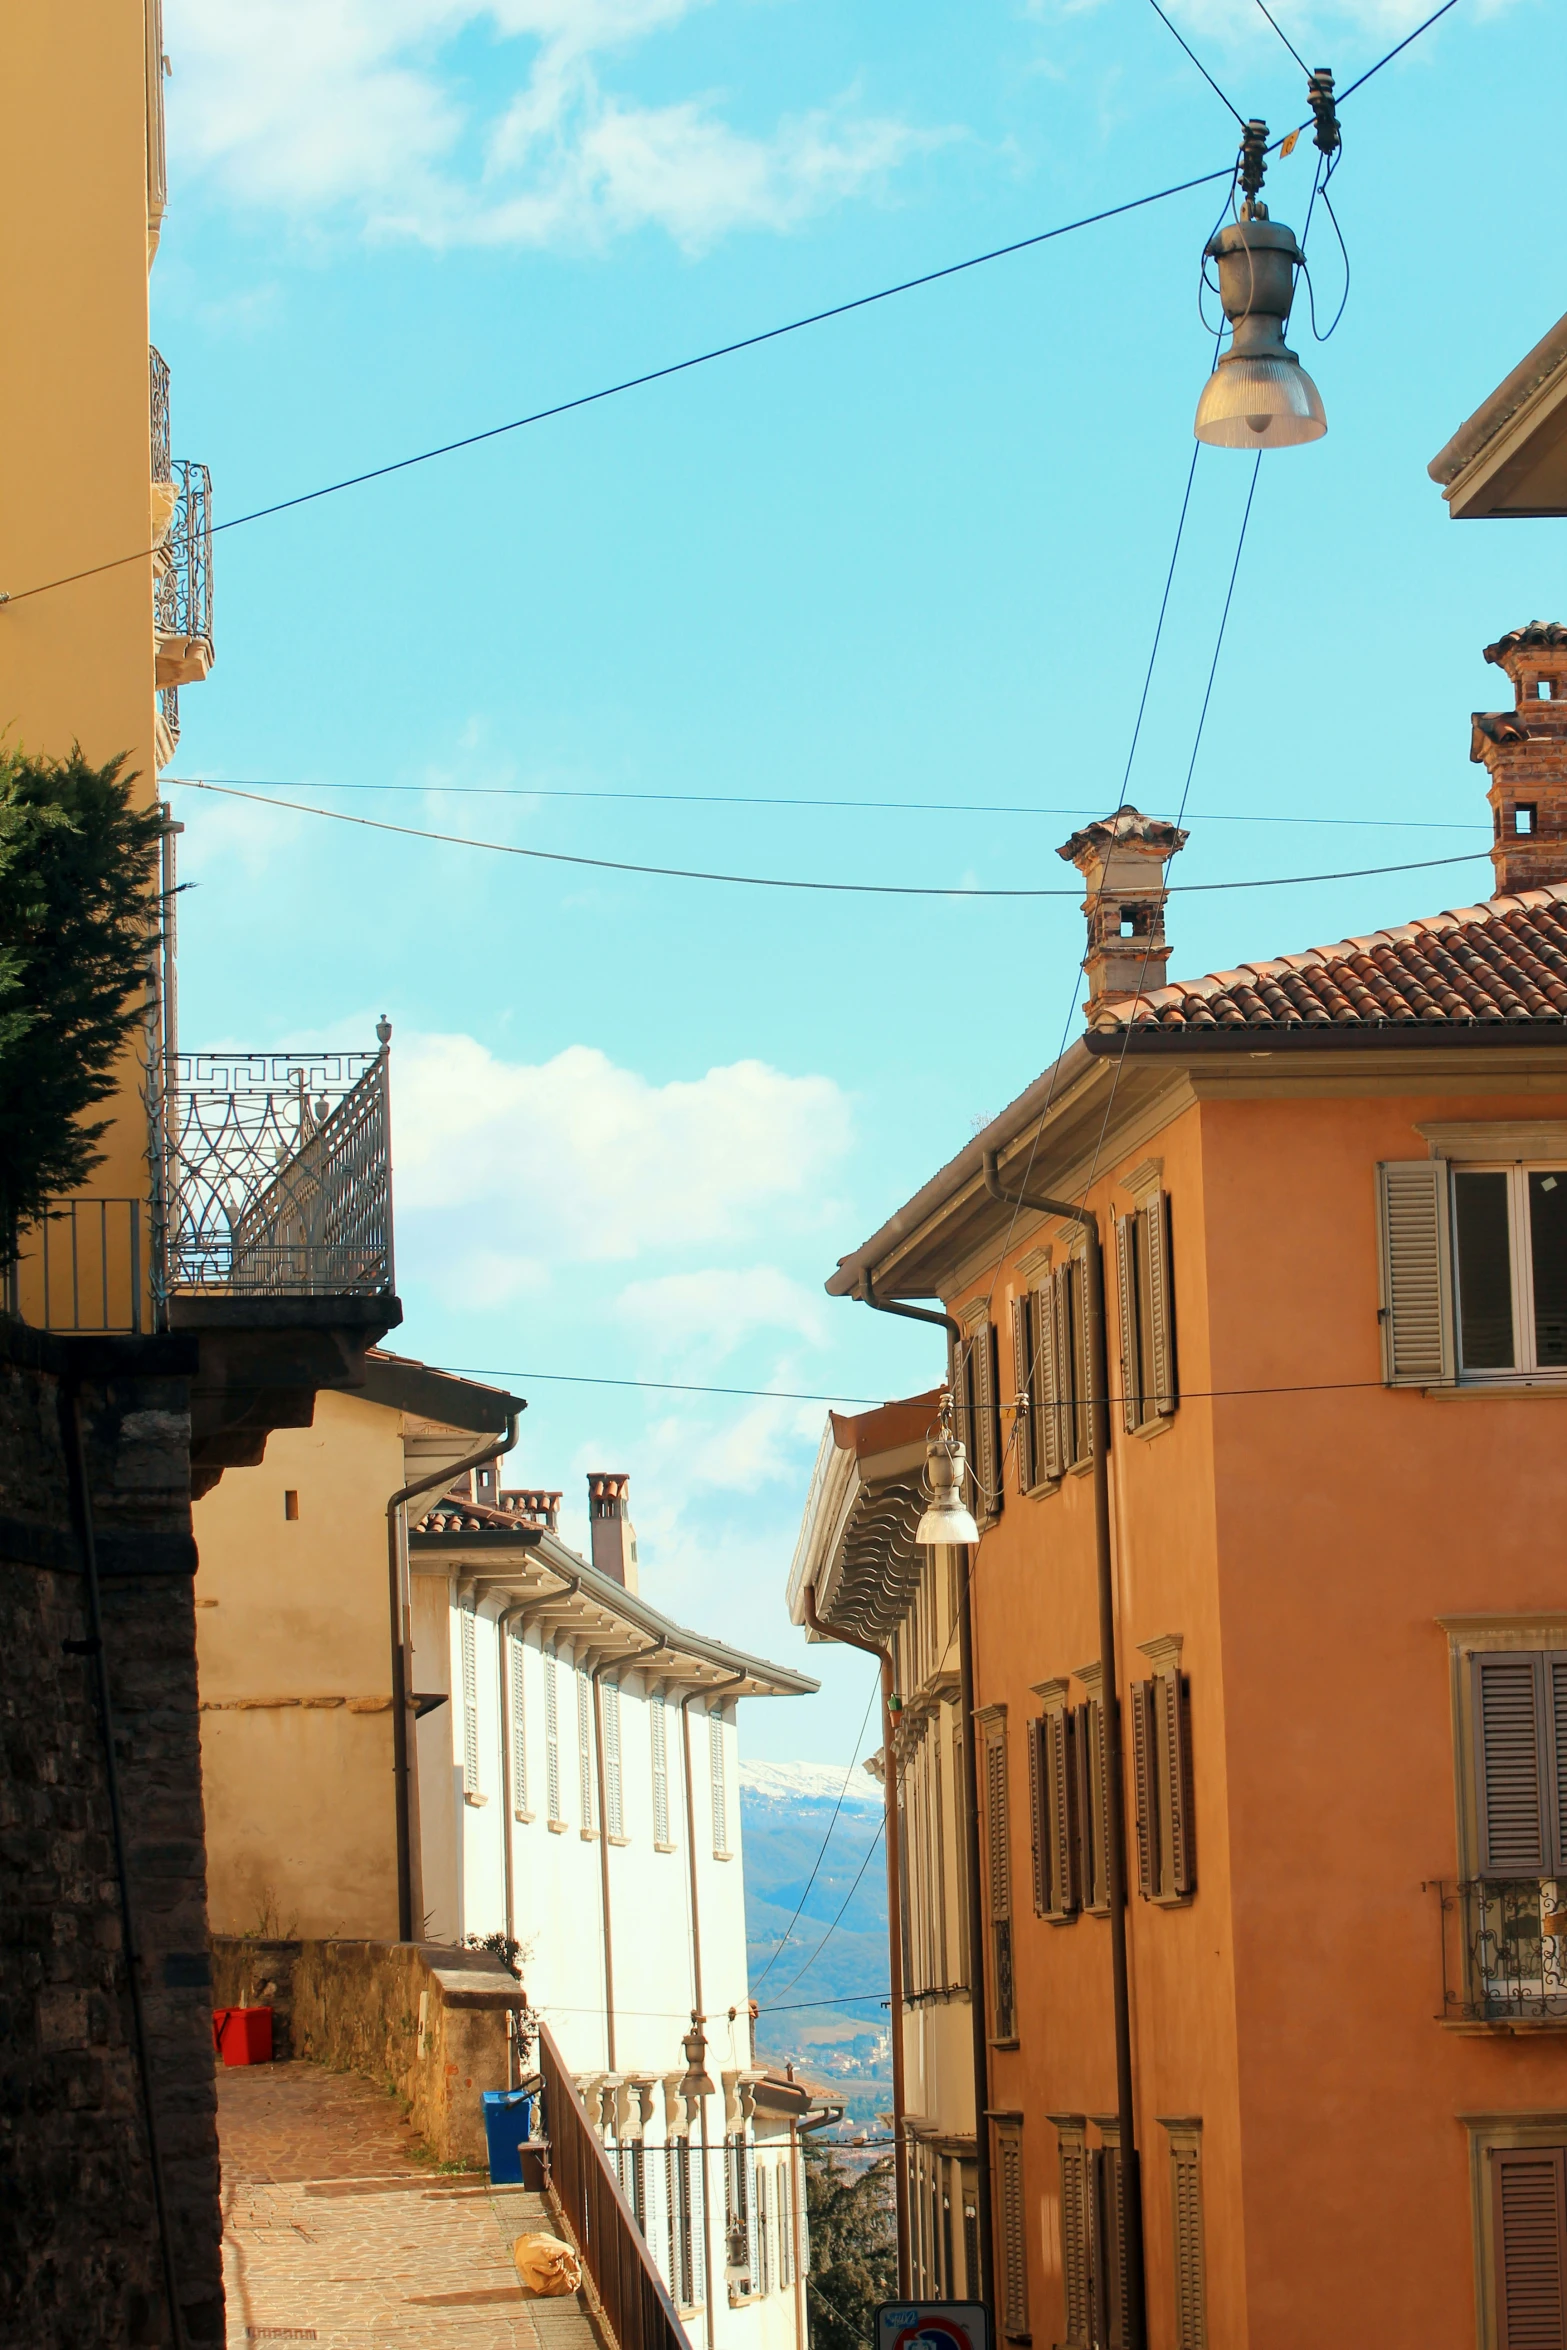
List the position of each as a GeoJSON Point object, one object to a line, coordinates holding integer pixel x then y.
{"type": "Point", "coordinates": [578, 1795]}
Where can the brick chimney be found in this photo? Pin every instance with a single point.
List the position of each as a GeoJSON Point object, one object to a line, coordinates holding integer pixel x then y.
{"type": "Point", "coordinates": [533, 1504]}
{"type": "Point", "coordinates": [614, 1536]}
{"type": "Point", "coordinates": [1122, 860]}
{"type": "Point", "coordinates": [1525, 751]}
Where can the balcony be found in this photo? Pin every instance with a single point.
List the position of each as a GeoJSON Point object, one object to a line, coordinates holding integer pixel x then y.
{"type": "Point", "coordinates": [1509, 1965]}
{"type": "Point", "coordinates": [182, 565]}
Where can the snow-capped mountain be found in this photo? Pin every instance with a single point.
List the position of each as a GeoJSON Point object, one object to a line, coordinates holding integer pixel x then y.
{"type": "Point", "coordinates": [805, 1782]}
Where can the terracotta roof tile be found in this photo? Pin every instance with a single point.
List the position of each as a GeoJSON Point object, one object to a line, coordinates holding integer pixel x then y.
{"type": "Point", "coordinates": [1504, 961]}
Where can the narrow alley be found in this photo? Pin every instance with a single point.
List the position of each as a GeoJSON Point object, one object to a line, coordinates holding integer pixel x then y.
{"type": "Point", "coordinates": [334, 2233]}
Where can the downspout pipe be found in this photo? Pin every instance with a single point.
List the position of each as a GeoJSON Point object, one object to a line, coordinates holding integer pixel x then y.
{"type": "Point", "coordinates": [598, 1752]}
{"type": "Point", "coordinates": [900, 2176]}
{"type": "Point", "coordinates": [1087, 1221]}
{"type": "Point", "coordinates": [979, 2035]}
{"type": "Point", "coordinates": [401, 1639]}
{"type": "Point", "coordinates": [698, 2016]}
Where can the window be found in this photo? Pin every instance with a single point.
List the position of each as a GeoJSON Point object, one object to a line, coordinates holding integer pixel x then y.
{"type": "Point", "coordinates": [614, 1805]}
{"type": "Point", "coordinates": [1191, 2286]}
{"type": "Point", "coordinates": [1058, 1387]}
{"type": "Point", "coordinates": [1473, 1269]}
{"type": "Point", "coordinates": [785, 2223]}
{"type": "Point", "coordinates": [1111, 2283]}
{"type": "Point", "coordinates": [1092, 1765]}
{"type": "Point", "coordinates": [468, 1645]}
{"type": "Point", "coordinates": [973, 1379]}
{"type": "Point", "coordinates": [1025, 1387]}
{"type": "Point", "coordinates": [1076, 2228]}
{"type": "Point", "coordinates": [683, 2276]}
{"type": "Point", "coordinates": [1526, 818]}
{"type": "Point", "coordinates": [585, 1748]}
{"type": "Point", "coordinates": [1162, 1778]}
{"type": "Point", "coordinates": [1147, 1317]}
{"type": "Point", "coordinates": [1053, 1793]}
{"type": "Point", "coordinates": [1529, 2241]}
{"type": "Point", "coordinates": [552, 1737]}
{"type": "Point", "coordinates": [737, 2212]}
{"type": "Point", "coordinates": [715, 1754]}
{"type": "Point", "coordinates": [764, 2246]}
{"type": "Point", "coordinates": [291, 1503]}
{"type": "Point", "coordinates": [519, 1726]}
{"type": "Point", "coordinates": [960, 1813]}
{"type": "Point", "coordinates": [1012, 2230]}
{"type": "Point", "coordinates": [1520, 1744]}
{"type": "Point", "coordinates": [658, 1721]}
{"type": "Point", "coordinates": [998, 1871]}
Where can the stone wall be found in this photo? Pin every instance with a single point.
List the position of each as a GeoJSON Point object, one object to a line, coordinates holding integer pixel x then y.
{"type": "Point", "coordinates": [422, 2019]}
{"type": "Point", "coordinates": [79, 2246]}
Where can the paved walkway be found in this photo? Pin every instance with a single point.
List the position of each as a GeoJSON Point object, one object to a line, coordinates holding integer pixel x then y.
{"type": "Point", "coordinates": [334, 2234]}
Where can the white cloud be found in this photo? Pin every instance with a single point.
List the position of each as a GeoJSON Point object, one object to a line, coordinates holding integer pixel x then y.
{"type": "Point", "coordinates": [578, 1159]}
{"type": "Point", "coordinates": [310, 105]}
{"type": "Point", "coordinates": [719, 1308]}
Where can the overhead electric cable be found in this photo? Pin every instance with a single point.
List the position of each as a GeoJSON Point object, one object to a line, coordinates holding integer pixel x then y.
{"type": "Point", "coordinates": [826, 1840]}
{"type": "Point", "coordinates": [873, 889]}
{"type": "Point", "coordinates": [1197, 61]}
{"type": "Point", "coordinates": [1284, 37]}
{"type": "Point", "coordinates": [1396, 51]}
{"type": "Point", "coordinates": [683, 799]}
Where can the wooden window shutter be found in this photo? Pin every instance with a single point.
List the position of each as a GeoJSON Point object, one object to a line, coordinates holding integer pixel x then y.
{"type": "Point", "coordinates": [1511, 1786]}
{"type": "Point", "coordinates": [1052, 1451]}
{"type": "Point", "coordinates": [1416, 1305]}
{"type": "Point", "coordinates": [1111, 2283]}
{"type": "Point", "coordinates": [1038, 1828]}
{"type": "Point", "coordinates": [1556, 1709]}
{"type": "Point", "coordinates": [1162, 1388]}
{"type": "Point", "coordinates": [960, 1383]}
{"type": "Point", "coordinates": [1529, 2219]}
{"type": "Point", "coordinates": [1126, 1298]}
{"type": "Point", "coordinates": [1173, 1692]}
{"type": "Point", "coordinates": [1082, 1363]}
{"type": "Point", "coordinates": [1024, 1423]}
{"type": "Point", "coordinates": [1145, 1788]}
{"type": "Point", "coordinates": [1089, 1888]}
{"type": "Point", "coordinates": [1191, 2289]}
{"type": "Point", "coordinates": [1014, 2233]}
{"type": "Point", "coordinates": [470, 1701]}
{"type": "Point", "coordinates": [998, 1872]}
{"type": "Point", "coordinates": [1076, 2241]}
{"type": "Point", "coordinates": [519, 1723]}
{"type": "Point", "coordinates": [987, 1421]}
{"type": "Point", "coordinates": [1060, 1808]}
{"type": "Point", "coordinates": [1098, 1784]}
{"type": "Point", "coordinates": [552, 1734]}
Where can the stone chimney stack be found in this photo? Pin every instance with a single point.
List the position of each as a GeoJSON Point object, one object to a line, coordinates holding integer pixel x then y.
{"type": "Point", "coordinates": [1525, 751]}
{"type": "Point", "coordinates": [1122, 860]}
{"type": "Point", "coordinates": [614, 1536]}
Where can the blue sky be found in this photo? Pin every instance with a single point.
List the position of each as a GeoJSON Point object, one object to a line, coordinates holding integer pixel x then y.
{"type": "Point", "coordinates": [913, 554]}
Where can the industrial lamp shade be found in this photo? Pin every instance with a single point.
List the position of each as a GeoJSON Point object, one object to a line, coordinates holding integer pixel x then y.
{"type": "Point", "coordinates": [946, 1519]}
{"type": "Point", "coordinates": [696, 2082]}
{"type": "Point", "coordinates": [1259, 396]}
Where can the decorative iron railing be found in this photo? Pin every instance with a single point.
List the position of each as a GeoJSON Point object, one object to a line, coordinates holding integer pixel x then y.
{"type": "Point", "coordinates": [1511, 1955]}
{"type": "Point", "coordinates": [158, 403]}
{"type": "Point", "coordinates": [624, 2274]}
{"type": "Point", "coordinates": [169, 712]}
{"type": "Point", "coordinates": [182, 590]}
{"type": "Point", "coordinates": [279, 1175]}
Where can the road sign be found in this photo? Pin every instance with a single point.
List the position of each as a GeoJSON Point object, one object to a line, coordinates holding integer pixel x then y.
{"type": "Point", "coordinates": [932, 2325]}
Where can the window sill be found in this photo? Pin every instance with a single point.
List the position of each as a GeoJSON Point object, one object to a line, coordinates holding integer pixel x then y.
{"type": "Point", "coordinates": [558, 1827]}
{"type": "Point", "coordinates": [1012, 2043]}
{"type": "Point", "coordinates": [620, 1839]}
{"type": "Point", "coordinates": [666, 1848]}
{"type": "Point", "coordinates": [717, 1855]}
{"type": "Point", "coordinates": [1042, 1490]}
{"type": "Point", "coordinates": [1156, 1427]}
{"type": "Point", "coordinates": [1523, 2027]}
{"type": "Point", "coordinates": [1534, 1385]}
{"type": "Point", "coordinates": [588, 1835]}
{"type": "Point", "coordinates": [524, 1818]}
{"type": "Point", "coordinates": [478, 1801]}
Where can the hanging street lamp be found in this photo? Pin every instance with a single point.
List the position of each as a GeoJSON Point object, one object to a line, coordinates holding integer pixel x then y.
{"type": "Point", "coordinates": [1259, 396]}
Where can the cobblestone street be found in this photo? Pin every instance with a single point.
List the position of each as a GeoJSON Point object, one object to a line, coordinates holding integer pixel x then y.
{"type": "Point", "coordinates": [333, 2233]}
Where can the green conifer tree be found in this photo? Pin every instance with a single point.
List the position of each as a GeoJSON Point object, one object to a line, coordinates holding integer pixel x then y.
{"type": "Point", "coordinates": [854, 2262]}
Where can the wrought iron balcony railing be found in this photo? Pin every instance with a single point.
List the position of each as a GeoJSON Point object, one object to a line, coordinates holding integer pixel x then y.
{"type": "Point", "coordinates": [1511, 1954]}
{"type": "Point", "coordinates": [279, 1175]}
{"type": "Point", "coordinates": [158, 405]}
{"type": "Point", "coordinates": [182, 585]}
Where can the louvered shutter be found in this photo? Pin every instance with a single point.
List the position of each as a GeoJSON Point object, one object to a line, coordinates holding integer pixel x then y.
{"type": "Point", "coordinates": [585, 1743]}
{"type": "Point", "coordinates": [1076, 2241]}
{"type": "Point", "coordinates": [1014, 2237]}
{"type": "Point", "coordinates": [1099, 1781]}
{"type": "Point", "coordinates": [1048, 1388]}
{"type": "Point", "coordinates": [715, 1739]}
{"type": "Point", "coordinates": [1089, 1889]}
{"type": "Point", "coordinates": [1512, 1787]}
{"type": "Point", "coordinates": [1024, 1431]}
{"type": "Point", "coordinates": [614, 1807]}
{"type": "Point", "coordinates": [1556, 1748]}
{"type": "Point", "coordinates": [1145, 1788]}
{"type": "Point", "coordinates": [986, 1420]}
{"type": "Point", "coordinates": [1038, 1829]}
{"type": "Point", "coordinates": [997, 1852]}
{"type": "Point", "coordinates": [1191, 2296]}
{"type": "Point", "coordinates": [552, 1734]}
{"type": "Point", "coordinates": [519, 1724]}
{"type": "Point", "coordinates": [1126, 1299]}
{"type": "Point", "coordinates": [1173, 1691]}
{"type": "Point", "coordinates": [658, 1721]}
{"type": "Point", "coordinates": [470, 1701]}
{"type": "Point", "coordinates": [1416, 1305]}
{"type": "Point", "coordinates": [1159, 1292]}
{"type": "Point", "coordinates": [1083, 1399]}
{"type": "Point", "coordinates": [1112, 2284]}
{"type": "Point", "coordinates": [1060, 1813]}
{"type": "Point", "coordinates": [1530, 2232]}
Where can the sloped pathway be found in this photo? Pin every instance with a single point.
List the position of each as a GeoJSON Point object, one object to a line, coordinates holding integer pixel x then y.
{"type": "Point", "coordinates": [334, 2234]}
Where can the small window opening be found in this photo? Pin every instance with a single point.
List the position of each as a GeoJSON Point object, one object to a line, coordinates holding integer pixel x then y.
{"type": "Point", "coordinates": [1128, 926]}
{"type": "Point", "coordinates": [290, 1503]}
{"type": "Point", "coordinates": [1524, 818]}
{"type": "Point", "coordinates": [1543, 689]}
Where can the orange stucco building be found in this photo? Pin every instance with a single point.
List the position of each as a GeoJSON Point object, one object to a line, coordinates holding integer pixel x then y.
{"type": "Point", "coordinates": [1331, 1192]}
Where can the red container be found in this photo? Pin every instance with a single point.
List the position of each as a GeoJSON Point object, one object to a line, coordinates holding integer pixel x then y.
{"type": "Point", "coordinates": [243, 2035]}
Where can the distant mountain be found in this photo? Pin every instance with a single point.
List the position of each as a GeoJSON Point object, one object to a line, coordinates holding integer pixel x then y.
{"type": "Point", "coordinates": [823, 1989]}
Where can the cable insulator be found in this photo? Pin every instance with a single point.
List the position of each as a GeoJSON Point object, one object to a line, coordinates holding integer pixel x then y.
{"type": "Point", "coordinates": [1319, 94]}
{"type": "Point", "coordinates": [1254, 159]}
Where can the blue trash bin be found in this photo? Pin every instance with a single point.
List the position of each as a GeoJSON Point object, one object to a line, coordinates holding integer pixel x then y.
{"type": "Point", "coordinates": [508, 2122]}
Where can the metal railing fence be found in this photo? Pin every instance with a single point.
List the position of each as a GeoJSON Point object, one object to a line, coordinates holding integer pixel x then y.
{"type": "Point", "coordinates": [635, 2300]}
{"type": "Point", "coordinates": [1511, 1950]}
{"type": "Point", "coordinates": [158, 410]}
{"type": "Point", "coordinates": [182, 589]}
{"type": "Point", "coordinates": [81, 1268]}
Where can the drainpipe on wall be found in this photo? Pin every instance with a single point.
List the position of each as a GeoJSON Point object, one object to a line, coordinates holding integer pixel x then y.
{"type": "Point", "coordinates": [598, 1747]}
{"type": "Point", "coordinates": [402, 1641]}
{"type": "Point", "coordinates": [1115, 1768]}
{"type": "Point", "coordinates": [698, 2017]}
{"type": "Point", "coordinates": [980, 2050]}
